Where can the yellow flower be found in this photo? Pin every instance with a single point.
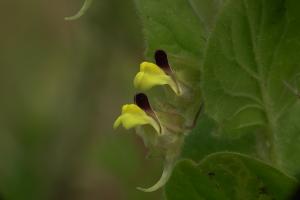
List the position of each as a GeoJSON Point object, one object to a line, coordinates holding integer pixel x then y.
{"type": "Point", "coordinates": [132, 116]}
{"type": "Point", "coordinates": [151, 75]}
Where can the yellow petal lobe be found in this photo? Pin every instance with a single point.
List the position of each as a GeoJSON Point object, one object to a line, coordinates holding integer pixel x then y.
{"type": "Point", "coordinates": [151, 75]}
{"type": "Point", "coordinates": [133, 116]}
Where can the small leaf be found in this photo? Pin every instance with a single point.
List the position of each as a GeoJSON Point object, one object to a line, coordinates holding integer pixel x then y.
{"type": "Point", "coordinates": [168, 168]}
{"type": "Point", "coordinates": [81, 12]}
{"type": "Point", "coordinates": [228, 176]}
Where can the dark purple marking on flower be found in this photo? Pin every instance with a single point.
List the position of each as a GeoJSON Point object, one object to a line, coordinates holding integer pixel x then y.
{"type": "Point", "coordinates": [161, 59]}
{"type": "Point", "coordinates": [141, 100]}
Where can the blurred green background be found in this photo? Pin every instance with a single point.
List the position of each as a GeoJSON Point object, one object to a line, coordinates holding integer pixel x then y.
{"type": "Point", "coordinates": [62, 85]}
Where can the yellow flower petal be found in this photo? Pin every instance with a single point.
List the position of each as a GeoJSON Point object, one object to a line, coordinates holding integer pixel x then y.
{"type": "Point", "coordinates": [133, 116]}
{"type": "Point", "coordinates": [149, 67]}
{"type": "Point", "coordinates": [151, 75]}
{"type": "Point", "coordinates": [117, 122]}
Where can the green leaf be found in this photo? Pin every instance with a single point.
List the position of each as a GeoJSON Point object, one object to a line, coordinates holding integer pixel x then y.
{"type": "Point", "coordinates": [205, 139]}
{"type": "Point", "coordinates": [207, 11]}
{"type": "Point", "coordinates": [165, 27]}
{"type": "Point", "coordinates": [288, 141]}
{"type": "Point", "coordinates": [179, 28]}
{"type": "Point", "coordinates": [228, 176]}
{"type": "Point", "coordinates": [252, 51]}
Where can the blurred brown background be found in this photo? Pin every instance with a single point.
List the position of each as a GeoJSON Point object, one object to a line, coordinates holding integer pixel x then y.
{"type": "Point", "coordinates": [62, 85]}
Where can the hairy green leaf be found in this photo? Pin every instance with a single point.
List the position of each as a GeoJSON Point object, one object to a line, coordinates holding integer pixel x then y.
{"type": "Point", "coordinates": [252, 51]}
{"type": "Point", "coordinates": [180, 28]}
{"type": "Point", "coordinates": [205, 139]}
{"type": "Point", "coordinates": [228, 176]}
{"type": "Point", "coordinates": [288, 141]}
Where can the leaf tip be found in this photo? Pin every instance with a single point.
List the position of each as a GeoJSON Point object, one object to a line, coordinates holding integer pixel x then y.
{"type": "Point", "coordinates": [168, 168]}
{"type": "Point", "coordinates": [81, 12]}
